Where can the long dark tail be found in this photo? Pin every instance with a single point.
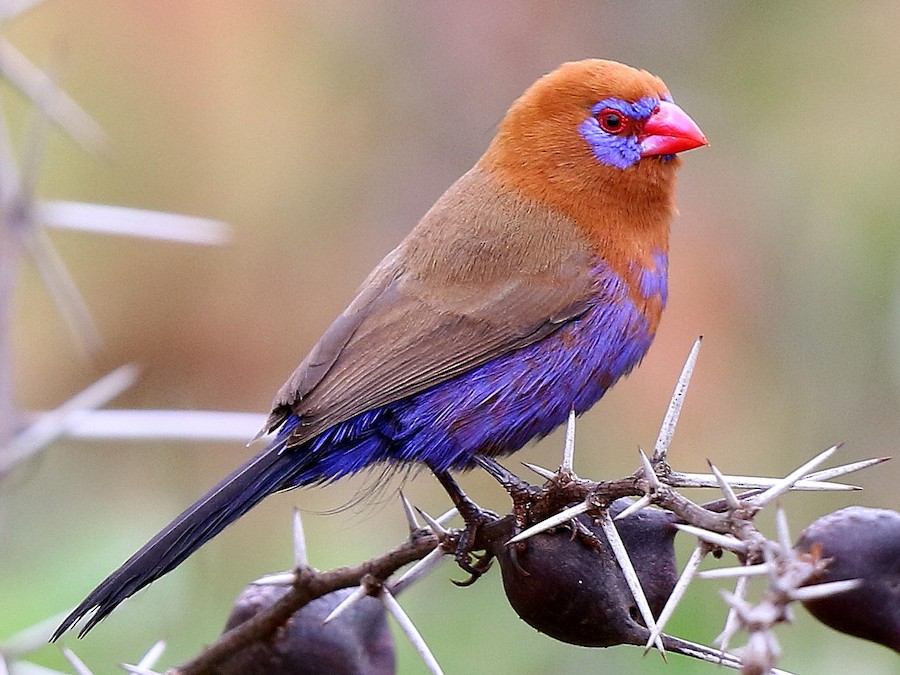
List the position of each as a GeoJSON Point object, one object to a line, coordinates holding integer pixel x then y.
{"type": "Point", "coordinates": [266, 473]}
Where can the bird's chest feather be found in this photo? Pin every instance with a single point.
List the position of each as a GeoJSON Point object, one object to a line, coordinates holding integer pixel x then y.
{"type": "Point", "coordinates": [498, 407]}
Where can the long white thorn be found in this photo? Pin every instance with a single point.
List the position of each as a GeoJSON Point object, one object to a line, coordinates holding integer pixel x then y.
{"type": "Point", "coordinates": [419, 570]}
{"type": "Point", "coordinates": [540, 471]}
{"type": "Point", "coordinates": [687, 575]}
{"type": "Point", "coordinates": [128, 222]}
{"type": "Point", "coordinates": [730, 497]}
{"type": "Point", "coordinates": [649, 474]}
{"type": "Point", "coordinates": [828, 474]}
{"type": "Point", "coordinates": [732, 572]}
{"type": "Point", "coordinates": [705, 480]}
{"type": "Point", "coordinates": [300, 557]}
{"type": "Point", "coordinates": [562, 517]}
{"type": "Point", "coordinates": [569, 448]}
{"type": "Point", "coordinates": [447, 516]}
{"type": "Point", "coordinates": [670, 421]}
{"type": "Point", "coordinates": [277, 579]}
{"type": "Point", "coordinates": [704, 653]}
{"type": "Point", "coordinates": [152, 656]}
{"type": "Point", "coordinates": [825, 590]}
{"type": "Point", "coordinates": [721, 540]}
{"type": "Point", "coordinates": [435, 526]}
{"type": "Point", "coordinates": [637, 505]}
{"type": "Point", "coordinates": [76, 663]}
{"type": "Point", "coordinates": [358, 594]}
{"type": "Point", "coordinates": [42, 90]}
{"type": "Point", "coordinates": [411, 519]}
{"type": "Point", "coordinates": [631, 577]}
{"type": "Point", "coordinates": [785, 483]}
{"type": "Point", "coordinates": [732, 622]}
{"type": "Point", "coordinates": [137, 670]}
{"type": "Point", "coordinates": [784, 532]}
{"type": "Point", "coordinates": [66, 296]}
{"type": "Point", "coordinates": [411, 632]}
{"type": "Point", "coordinates": [53, 424]}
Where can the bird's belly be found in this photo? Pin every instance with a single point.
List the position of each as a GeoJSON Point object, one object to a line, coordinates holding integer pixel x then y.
{"type": "Point", "coordinates": [498, 407]}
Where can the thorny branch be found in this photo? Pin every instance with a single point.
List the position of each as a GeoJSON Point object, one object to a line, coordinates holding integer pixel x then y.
{"type": "Point", "coordinates": [308, 585]}
{"type": "Point", "coordinates": [725, 524]}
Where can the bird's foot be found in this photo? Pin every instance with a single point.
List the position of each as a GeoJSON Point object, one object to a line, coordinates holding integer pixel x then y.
{"type": "Point", "coordinates": [474, 517]}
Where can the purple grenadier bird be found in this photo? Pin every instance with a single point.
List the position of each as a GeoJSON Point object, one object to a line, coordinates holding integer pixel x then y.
{"type": "Point", "coordinates": [532, 285]}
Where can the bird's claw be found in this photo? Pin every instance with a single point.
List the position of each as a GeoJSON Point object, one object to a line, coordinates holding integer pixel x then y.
{"type": "Point", "coordinates": [464, 549]}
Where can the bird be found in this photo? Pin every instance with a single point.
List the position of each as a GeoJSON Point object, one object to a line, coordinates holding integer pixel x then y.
{"type": "Point", "coordinates": [533, 284]}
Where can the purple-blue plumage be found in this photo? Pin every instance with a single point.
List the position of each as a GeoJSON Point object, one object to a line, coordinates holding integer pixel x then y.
{"type": "Point", "coordinates": [652, 281]}
{"type": "Point", "coordinates": [498, 407]}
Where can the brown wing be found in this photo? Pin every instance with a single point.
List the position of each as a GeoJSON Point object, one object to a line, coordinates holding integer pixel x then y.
{"type": "Point", "coordinates": [482, 274]}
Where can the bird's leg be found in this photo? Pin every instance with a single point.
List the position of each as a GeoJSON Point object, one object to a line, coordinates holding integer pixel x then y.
{"type": "Point", "coordinates": [474, 517]}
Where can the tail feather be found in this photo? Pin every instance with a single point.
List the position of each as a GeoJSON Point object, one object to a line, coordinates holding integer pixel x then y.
{"type": "Point", "coordinates": [266, 473]}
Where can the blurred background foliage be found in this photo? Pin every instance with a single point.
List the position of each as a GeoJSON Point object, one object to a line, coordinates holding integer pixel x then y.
{"type": "Point", "coordinates": [321, 132]}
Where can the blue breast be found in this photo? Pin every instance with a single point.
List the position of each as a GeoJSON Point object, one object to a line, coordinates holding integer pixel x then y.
{"type": "Point", "coordinates": [498, 407]}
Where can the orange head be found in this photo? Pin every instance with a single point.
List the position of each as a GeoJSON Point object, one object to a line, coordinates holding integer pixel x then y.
{"type": "Point", "coordinates": [596, 140]}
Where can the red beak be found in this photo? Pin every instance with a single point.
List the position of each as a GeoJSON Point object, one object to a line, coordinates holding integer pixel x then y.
{"type": "Point", "coordinates": [668, 131]}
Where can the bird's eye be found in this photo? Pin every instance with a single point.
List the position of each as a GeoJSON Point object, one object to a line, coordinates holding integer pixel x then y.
{"type": "Point", "coordinates": [612, 121]}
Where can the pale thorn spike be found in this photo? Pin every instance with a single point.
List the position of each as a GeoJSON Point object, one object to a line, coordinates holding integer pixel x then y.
{"type": "Point", "coordinates": [731, 572]}
{"type": "Point", "coordinates": [631, 577]}
{"type": "Point", "coordinates": [637, 505]}
{"type": "Point", "coordinates": [4, 670]}
{"type": "Point", "coordinates": [785, 483]}
{"type": "Point", "coordinates": [687, 575]}
{"type": "Point", "coordinates": [447, 516]}
{"type": "Point", "coordinates": [649, 474]}
{"type": "Point", "coordinates": [412, 634]}
{"type": "Point", "coordinates": [817, 591]}
{"type": "Point", "coordinates": [705, 480]}
{"type": "Point", "coordinates": [828, 474]}
{"type": "Point", "coordinates": [152, 656]}
{"type": "Point", "coordinates": [278, 579]}
{"type": "Point", "coordinates": [51, 425]}
{"type": "Point", "coordinates": [670, 421]}
{"type": "Point", "coordinates": [540, 471]}
{"type": "Point", "coordinates": [784, 532]}
{"type": "Point", "coordinates": [438, 529]}
{"type": "Point", "coordinates": [411, 519]}
{"type": "Point", "coordinates": [361, 591]}
{"type": "Point", "coordinates": [419, 570]}
{"type": "Point", "coordinates": [730, 497]}
{"type": "Point", "coordinates": [814, 481]}
{"type": "Point", "coordinates": [569, 448]}
{"type": "Point", "coordinates": [64, 292]}
{"type": "Point", "coordinates": [76, 663]}
{"type": "Point", "coordinates": [563, 516]}
{"type": "Point", "coordinates": [704, 653]}
{"type": "Point", "coordinates": [301, 559]}
{"type": "Point", "coordinates": [137, 670]}
{"type": "Point", "coordinates": [721, 540]}
{"type": "Point", "coordinates": [731, 621]}
{"type": "Point", "coordinates": [129, 222]}
{"type": "Point", "coordinates": [42, 90]}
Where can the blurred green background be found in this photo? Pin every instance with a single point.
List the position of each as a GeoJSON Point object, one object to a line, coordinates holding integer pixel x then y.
{"type": "Point", "coordinates": [321, 132]}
